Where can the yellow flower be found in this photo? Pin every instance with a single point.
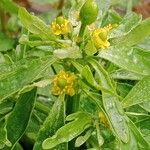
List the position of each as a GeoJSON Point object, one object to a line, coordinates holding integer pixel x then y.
{"type": "Point", "coordinates": [103, 119]}
{"type": "Point", "coordinates": [100, 37]}
{"type": "Point", "coordinates": [60, 26]}
{"type": "Point", "coordinates": [64, 82]}
{"type": "Point", "coordinates": [108, 27]}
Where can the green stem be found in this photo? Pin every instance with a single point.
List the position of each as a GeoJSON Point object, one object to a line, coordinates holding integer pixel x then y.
{"type": "Point", "coordinates": [60, 6]}
{"type": "Point", "coordinates": [2, 20]}
{"type": "Point", "coordinates": [82, 29]}
{"type": "Point", "coordinates": [76, 101]}
{"type": "Point", "coordinates": [25, 48]}
{"type": "Point", "coordinates": [99, 137]}
{"type": "Point", "coordinates": [129, 6]}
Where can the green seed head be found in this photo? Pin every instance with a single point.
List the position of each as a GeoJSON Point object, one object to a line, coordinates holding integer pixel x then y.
{"type": "Point", "coordinates": [60, 20]}
{"type": "Point", "coordinates": [89, 12]}
{"type": "Point", "coordinates": [103, 35]}
{"type": "Point", "coordinates": [62, 83]}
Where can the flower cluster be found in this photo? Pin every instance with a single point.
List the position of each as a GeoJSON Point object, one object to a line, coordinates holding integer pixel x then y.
{"type": "Point", "coordinates": [61, 26]}
{"type": "Point", "coordinates": [64, 82]}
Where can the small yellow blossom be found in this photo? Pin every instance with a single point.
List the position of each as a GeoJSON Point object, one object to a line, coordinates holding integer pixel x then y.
{"type": "Point", "coordinates": [64, 82]}
{"type": "Point", "coordinates": [108, 27]}
{"type": "Point", "coordinates": [61, 26]}
{"type": "Point", "coordinates": [100, 38]}
{"type": "Point", "coordinates": [103, 119]}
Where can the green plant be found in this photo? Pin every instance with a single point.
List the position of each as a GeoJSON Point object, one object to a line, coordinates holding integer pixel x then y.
{"type": "Point", "coordinates": [76, 83]}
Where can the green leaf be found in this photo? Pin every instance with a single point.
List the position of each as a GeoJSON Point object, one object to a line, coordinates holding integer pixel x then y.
{"type": "Point", "coordinates": [132, 144]}
{"type": "Point", "coordinates": [70, 52]}
{"type": "Point", "coordinates": [69, 131]}
{"type": "Point", "coordinates": [5, 43]}
{"type": "Point", "coordinates": [129, 58]}
{"type": "Point", "coordinates": [3, 132]}
{"type": "Point", "coordinates": [128, 23]}
{"type": "Point", "coordinates": [138, 34]}
{"type": "Point", "coordinates": [24, 39]}
{"type": "Point", "coordinates": [116, 115]}
{"type": "Point", "coordinates": [111, 17]}
{"type": "Point", "coordinates": [53, 122]}
{"type": "Point", "coordinates": [35, 25]}
{"type": "Point", "coordinates": [90, 48]}
{"type": "Point", "coordinates": [17, 121]}
{"type": "Point", "coordinates": [123, 88]}
{"type": "Point", "coordinates": [139, 93]}
{"type": "Point", "coordinates": [103, 6]}
{"type": "Point", "coordinates": [15, 77]}
{"type": "Point", "coordinates": [87, 74]}
{"type": "Point", "coordinates": [139, 137]}
{"type": "Point", "coordinates": [9, 6]}
{"type": "Point", "coordinates": [82, 139]}
{"type": "Point", "coordinates": [126, 75]}
{"type": "Point", "coordinates": [104, 79]}
{"type": "Point", "coordinates": [6, 107]}
{"type": "Point", "coordinates": [112, 105]}
{"type": "Point", "coordinates": [146, 106]}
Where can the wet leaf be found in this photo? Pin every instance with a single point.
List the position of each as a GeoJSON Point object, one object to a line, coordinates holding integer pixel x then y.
{"type": "Point", "coordinates": [35, 25]}
{"type": "Point", "coordinates": [53, 122]}
{"type": "Point", "coordinates": [139, 93]}
{"type": "Point", "coordinates": [132, 59]}
{"type": "Point", "coordinates": [3, 138]}
{"type": "Point", "coordinates": [74, 128]}
{"type": "Point", "coordinates": [139, 137]}
{"type": "Point", "coordinates": [15, 77]}
{"type": "Point", "coordinates": [112, 105]}
{"type": "Point", "coordinates": [126, 75]}
{"type": "Point", "coordinates": [15, 125]}
{"type": "Point", "coordinates": [82, 139]}
{"type": "Point", "coordinates": [138, 34]}
{"type": "Point", "coordinates": [128, 23]}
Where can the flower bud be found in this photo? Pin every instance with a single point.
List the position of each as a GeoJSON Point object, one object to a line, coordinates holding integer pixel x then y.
{"type": "Point", "coordinates": [89, 12]}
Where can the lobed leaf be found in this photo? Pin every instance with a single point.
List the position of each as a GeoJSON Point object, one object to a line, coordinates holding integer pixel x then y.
{"type": "Point", "coordinates": [69, 131]}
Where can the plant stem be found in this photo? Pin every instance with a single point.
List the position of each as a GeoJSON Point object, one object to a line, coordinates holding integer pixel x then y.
{"type": "Point", "coordinates": [2, 20]}
{"type": "Point", "coordinates": [76, 101]}
{"type": "Point", "coordinates": [82, 29]}
{"type": "Point", "coordinates": [99, 137]}
{"type": "Point", "coordinates": [25, 48]}
{"type": "Point", "coordinates": [129, 6]}
{"type": "Point", "coordinates": [60, 6]}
